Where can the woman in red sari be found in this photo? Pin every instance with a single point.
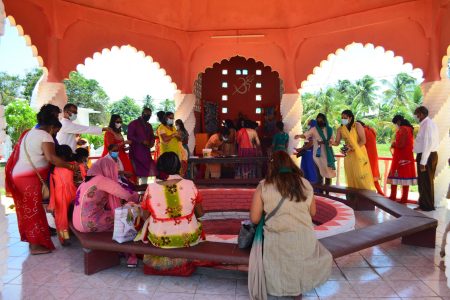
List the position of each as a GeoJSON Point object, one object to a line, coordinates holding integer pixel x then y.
{"type": "Point", "coordinates": [25, 185]}
{"type": "Point", "coordinates": [116, 137]}
{"type": "Point", "coordinates": [403, 169]}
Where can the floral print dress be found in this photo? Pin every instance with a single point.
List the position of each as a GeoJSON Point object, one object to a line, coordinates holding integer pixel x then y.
{"type": "Point", "coordinates": [172, 222]}
{"type": "Point", "coordinates": [92, 211]}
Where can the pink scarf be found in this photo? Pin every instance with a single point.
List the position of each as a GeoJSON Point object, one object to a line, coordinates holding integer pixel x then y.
{"type": "Point", "coordinates": [106, 167]}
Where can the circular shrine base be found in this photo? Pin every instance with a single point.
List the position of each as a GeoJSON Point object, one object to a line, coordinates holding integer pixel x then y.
{"type": "Point", "coordinates": [332, 217]}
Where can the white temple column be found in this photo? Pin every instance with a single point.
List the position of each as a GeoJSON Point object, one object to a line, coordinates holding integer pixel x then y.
{"type": "Point", "coordinates": [48, 93]}
{"type": "Point", "coordinates": [3, 221]}
{"type": "Point", "coordinates": [184, 110]}
{"type": "Point", "coordinates": [291, 109]}
{"type": "Point", "coordinates": [437, 100]}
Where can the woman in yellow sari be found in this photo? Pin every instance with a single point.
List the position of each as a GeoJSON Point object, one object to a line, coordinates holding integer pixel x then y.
{"type": "Point", "coordinates": [169, 139]}
{"type": "Point", "coordinates": [356, 161]}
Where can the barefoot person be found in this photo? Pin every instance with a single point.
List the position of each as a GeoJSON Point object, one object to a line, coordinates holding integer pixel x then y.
{"type": "Point", "coordinates": [26, 170]}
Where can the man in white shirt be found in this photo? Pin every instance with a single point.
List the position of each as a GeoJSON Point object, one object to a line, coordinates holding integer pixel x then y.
{"type": "Point", "coordinates": [426, 146]}
{"type": "Point", "coordinates": [69, 129]}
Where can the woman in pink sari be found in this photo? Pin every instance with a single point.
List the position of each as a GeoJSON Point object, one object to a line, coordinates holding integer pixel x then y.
{"type": "Point", "coordinates": [98, 196]}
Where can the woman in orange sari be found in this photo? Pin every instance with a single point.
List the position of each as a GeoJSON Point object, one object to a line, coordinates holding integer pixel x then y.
{"type": "Point", "coordinates": [116, 137]}
{"type": "Point", "coordinates": [62, 193]}
{"type": "Point", "coordinates": [27, 166]}
{"type": "Point", "coordinates": [372, 152]}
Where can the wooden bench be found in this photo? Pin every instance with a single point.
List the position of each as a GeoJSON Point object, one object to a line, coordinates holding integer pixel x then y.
{"type": "Point", "coordinates": [415, 228]}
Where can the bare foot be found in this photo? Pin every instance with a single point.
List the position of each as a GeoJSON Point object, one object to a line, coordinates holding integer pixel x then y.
{"type": "Point", "coordinates": [38, 249]}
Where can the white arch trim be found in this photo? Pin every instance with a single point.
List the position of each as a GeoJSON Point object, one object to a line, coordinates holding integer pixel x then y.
{"type": "Point", "coordinates": [148, 59]}
{"type": "Point", "coordinates": [388, 53]}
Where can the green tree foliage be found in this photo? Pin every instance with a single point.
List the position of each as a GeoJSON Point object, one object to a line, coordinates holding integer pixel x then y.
{"type": "Point", "coordinates": [10, 87]}
{"type": "Point", "coordinates": [149, 103]}
{"type": "Point", "coordinates": [95, 141]}
{"type": "Point", "coordinates": [13, 86]}
{"type": "Point", "coordinates": [401, 90]}
{"type": "Point", "coordinates": [363, 97]}
{"type": "Point", "coordinates": [167, 105]}
{"type": "Point", "coordinates": [88, 93]}
{"type": "Point", "coordinates": [127, 109]}
{"type": "Point", "coordinates": [19, 117]}
{"type": "Point", "coordinates": [29, 82]}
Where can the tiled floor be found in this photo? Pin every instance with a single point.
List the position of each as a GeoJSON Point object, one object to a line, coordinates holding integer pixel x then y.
{"type": "Point", "coordinates": [388, 271]}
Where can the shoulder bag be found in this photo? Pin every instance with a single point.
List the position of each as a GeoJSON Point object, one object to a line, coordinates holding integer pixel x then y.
{"type": "Point", "coordinates": [248, 229]}
{"type": "Point", "coordinates": [45, 190]}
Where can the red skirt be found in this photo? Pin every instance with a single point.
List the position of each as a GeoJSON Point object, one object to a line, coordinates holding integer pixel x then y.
{"type": "Point", "coordinates": [31, 216]}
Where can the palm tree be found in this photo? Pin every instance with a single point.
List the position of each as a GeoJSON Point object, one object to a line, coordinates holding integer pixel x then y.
{"type": "Point", "coordinates": [402, 91]}
{"type": "Point", "coordinates": [329, 102]}
{"type": "Point", "coordinates": [347, 89]}
{"type": "Point", "coordinates": [365, 97]}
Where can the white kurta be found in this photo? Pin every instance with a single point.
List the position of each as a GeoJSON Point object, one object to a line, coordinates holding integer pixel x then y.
{"type": "Point", "coordinates": [321, 161]}
{"type": "Point", "coordinates": [69, 130]}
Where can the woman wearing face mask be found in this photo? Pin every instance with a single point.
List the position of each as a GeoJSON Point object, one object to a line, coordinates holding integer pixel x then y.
{"type": "Point", "coordinates": [403, 168]}
{"type": "Point", "coordinates": [169, 137]}
{"type": "Point", "coordinates": [356, 161]}
{"type": "Point", "coordinates": [322, 138]}
{"type": "Point", "coordinates": [25, 171]}
{"type": "Point", "coordinates": [183, 136]}
{"type": "Point", "coordinates": [115, 137]}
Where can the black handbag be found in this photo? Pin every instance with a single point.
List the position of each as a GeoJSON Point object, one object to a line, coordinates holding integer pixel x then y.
{"type": "Point", "coordinates": [248, 229]}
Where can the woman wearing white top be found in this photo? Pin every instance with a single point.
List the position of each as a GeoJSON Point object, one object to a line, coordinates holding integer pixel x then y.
{"type": "Point", "coordinates": [25, 185]}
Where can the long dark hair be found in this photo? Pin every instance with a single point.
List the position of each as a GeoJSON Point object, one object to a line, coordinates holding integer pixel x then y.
{"type": "Point", "coordinates": [322, 116]}
{"type": "Point", "coordinates": [160, 115]}
{"type": "Point", "coordinates": [286, 176]}
{"type": "Point", "coordinates": [403, 121]}
{"type": "Point", "coordinates": [229, 124]}
{"type": "Point", "coordinates": [181, 125]}
{"type": "Point", "coordinates": [168, 163]}
{"type": "Point", "coordinates": [350, 114]}
{"type": "Point", "coordinates": [112, 123]}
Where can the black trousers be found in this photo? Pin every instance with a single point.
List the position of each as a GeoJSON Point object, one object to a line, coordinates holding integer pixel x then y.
{"type": "Point", "coordinates": [426, 181]}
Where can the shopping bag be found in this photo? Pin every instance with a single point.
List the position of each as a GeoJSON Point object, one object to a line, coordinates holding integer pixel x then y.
{"type": "Point", "coordinates": [124, 223]}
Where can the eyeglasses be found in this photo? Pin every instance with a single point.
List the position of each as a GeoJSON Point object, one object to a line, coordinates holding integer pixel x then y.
{"type": "Point", "coordinates": [118, 122]}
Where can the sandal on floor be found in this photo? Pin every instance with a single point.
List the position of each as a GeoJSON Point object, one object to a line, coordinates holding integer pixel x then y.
{"type": "Point", "coordinates": [132, 261]}
{"type": "Point", "coordinates": [37, 250]}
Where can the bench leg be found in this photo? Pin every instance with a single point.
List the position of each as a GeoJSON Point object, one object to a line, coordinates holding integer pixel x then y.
{"type": "Point", "coordinates": [97, 260]}
{"type": "Point", "coordinates": [425, 238]}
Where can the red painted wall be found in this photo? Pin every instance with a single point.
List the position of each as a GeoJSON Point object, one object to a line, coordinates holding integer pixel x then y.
{"type": "Point", "coordinates": [241, 97]}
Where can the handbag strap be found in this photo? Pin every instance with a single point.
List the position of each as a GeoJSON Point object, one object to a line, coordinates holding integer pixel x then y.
{"type": "Point", "coordinates": [29, 159]}
{"type": "Point", "coordinates": [274, 211]}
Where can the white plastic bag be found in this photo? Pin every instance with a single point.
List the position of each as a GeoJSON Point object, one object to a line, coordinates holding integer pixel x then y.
{"type": "Point", "coordinates": [124, 219]}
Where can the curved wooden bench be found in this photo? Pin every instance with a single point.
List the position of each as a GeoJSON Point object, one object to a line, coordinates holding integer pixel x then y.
{"type": "Point", "coordinates": [415, 228]}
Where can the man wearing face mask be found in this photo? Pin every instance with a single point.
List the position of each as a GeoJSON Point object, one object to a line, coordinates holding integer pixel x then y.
{"type": "Point", "coordinates": [69, 129]}
{"type": "Point", "coordinates": [426, 146]}
{"type": "Point", "coordinates": [140, 133]}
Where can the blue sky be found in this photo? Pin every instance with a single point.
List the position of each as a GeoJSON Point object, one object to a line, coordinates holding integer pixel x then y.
{"type": "Point", "coordinates": [15, 56]}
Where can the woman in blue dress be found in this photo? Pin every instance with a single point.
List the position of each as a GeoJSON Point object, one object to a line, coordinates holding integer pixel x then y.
{"type": "Point", "coordinates": [307, 164]}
